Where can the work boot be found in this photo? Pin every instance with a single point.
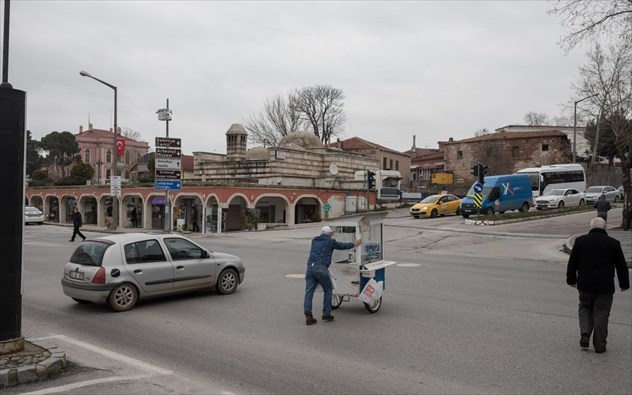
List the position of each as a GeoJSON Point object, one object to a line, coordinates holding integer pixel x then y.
{"type": "Point", "coordinates": [328, 318]}
{"type": "Point", "coordinates": [584, 342]}
{"type": "Point", "coordinates": [309, 319]}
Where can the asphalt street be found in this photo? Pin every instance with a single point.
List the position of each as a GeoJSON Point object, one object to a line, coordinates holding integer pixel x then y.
{"type": "Point", "coordinates": [468, 310]}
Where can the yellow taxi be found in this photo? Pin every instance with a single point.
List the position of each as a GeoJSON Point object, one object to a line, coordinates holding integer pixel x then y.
{"type": "Point", "coordinates": [435, 205]}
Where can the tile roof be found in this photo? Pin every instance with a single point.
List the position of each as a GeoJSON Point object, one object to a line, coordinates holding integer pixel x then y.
{"type": "Point", "coordinates": [356, 143]}
{"type": "Point", "coordinates": [510, 135]}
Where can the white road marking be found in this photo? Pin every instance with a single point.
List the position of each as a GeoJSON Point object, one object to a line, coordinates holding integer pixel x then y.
{"type": "Point", "coordinates": [408, 264]}
{"type": "Point", "coordinates": [110, 354]}
{"type": "Point", "coordinates": [86, 383]}
{"type": "Point", "coordinates": [295, 275]}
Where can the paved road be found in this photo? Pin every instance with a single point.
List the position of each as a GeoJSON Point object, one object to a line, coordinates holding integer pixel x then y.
{"type": "Point", "coordinates": [474, 311]}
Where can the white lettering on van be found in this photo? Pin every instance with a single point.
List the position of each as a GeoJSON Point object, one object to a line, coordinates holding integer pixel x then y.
{"type": "Point", "coordinates": [507, 188]}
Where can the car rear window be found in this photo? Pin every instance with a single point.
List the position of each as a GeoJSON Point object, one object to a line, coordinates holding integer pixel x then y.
{"type": "Point", "coordinates": [89, 253]}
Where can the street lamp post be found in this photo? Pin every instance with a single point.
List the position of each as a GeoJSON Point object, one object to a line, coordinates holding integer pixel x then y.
{"type": "Point", "coordinates": [114, 152]}
{"type": "Point", "coordinates": [575, 126]}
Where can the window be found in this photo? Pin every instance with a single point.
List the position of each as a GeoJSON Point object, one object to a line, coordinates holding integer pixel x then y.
{"type": "Point", "coordinates": [384, 164]}
{"type": "Point", "coordinates": [459, 154]}
{"type": "Point", "coordinates": [390, 165]}
{"type": "Point", "coordinates": [127, 157]}
{"type": "Point", "coordinates": [144, 251]}
{"type": "Point", "coordinates": [89, 253]}
{"type": "Point", "coordinates": [397, 165]}
{"type": "Point", "coordinates": [86, 155]}
{"type": "Point", "coordinates": [108, 156]}
{"type": "Point", "coordinates": [107, 174]}
{"type": "Point", "coordinates": [545, 147]}
{"type": "Point", "coordinates": [180, 249]}
{"type": "Point", "coordinates": [515, 150]}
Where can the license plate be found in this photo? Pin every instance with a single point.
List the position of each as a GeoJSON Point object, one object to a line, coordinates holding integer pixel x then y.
{"type": "Point", "coordinates": [75, 275]}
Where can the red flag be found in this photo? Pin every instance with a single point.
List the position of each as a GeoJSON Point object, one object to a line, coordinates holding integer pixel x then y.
{"type": "Point", "coordinates": [120, 146]}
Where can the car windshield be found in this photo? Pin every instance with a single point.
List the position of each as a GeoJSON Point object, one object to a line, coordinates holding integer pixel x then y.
{"type": "Point", "coordinates": [594, 190]}
{"type": "Point", "coordinates": [89, 253]}
{"type": "Point", "coordinates": [556, 192]}
{"type": "Point", "coordinates": [430, 199]}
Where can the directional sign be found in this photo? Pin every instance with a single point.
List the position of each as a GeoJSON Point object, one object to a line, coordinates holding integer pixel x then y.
{"type": "Point", "coordinates": [168, 142]}
{"type": "Point", "coordinates": [167, 184]}
{"type": "Point", "coordinates": [171, 164]}
{"type": "Point", "coordinates": [478, 187]}
{"type": "Point", "coordinates": [163, 174]}
{"type": "Point", "coordinates": [168, 153]}
{"type": "Point", "coordinates": [478, 199]}
{"type": "Point", "coordinates": [115, 185]}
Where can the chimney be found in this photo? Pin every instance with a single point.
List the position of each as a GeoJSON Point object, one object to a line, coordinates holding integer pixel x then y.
{"type": "Point", "coordinates": [80, 129]}
{"type": "Point", "coordinates": [89, 126]}
{"type": "Point", "coordinates": [414, 148]}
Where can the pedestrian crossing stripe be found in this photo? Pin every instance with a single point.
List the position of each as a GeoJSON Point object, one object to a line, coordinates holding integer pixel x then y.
{"type": "Point", "coordinates": [478, 199]}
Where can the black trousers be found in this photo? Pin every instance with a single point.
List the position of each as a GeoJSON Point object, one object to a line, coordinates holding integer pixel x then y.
{"type": "Point", "coordinates": [76, 232]}
{"type": "Point", "coordinates": [594, 312]}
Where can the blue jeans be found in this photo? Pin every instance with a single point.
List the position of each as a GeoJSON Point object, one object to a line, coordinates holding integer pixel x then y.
{"type": "Point", "coordinates": [315, 275]}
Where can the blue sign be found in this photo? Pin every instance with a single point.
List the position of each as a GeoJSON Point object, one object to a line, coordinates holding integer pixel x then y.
{"type": "Point", "coordinates": [168, 184]}
{"type": "Point", "coordinates": [478, 187]}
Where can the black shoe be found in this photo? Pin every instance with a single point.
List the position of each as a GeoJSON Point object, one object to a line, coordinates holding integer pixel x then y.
{"type": "Point", "coordinates": [600, 350]}
{"type": "Point", "coordinates": [310, 320]}
{"type": "Point", "coordinates": [584, 342]}
{"type": "Point", "coordinates": [328, 318]}
{"type": "Point", "coordinates": [71, 241]}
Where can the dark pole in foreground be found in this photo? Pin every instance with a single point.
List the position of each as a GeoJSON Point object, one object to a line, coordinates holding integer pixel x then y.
{"type": "Point", "coordinates": [12, 151]}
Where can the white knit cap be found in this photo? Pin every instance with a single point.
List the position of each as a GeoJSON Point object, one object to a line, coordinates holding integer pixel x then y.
{"type": "Point", "coordinates": [326, 230]}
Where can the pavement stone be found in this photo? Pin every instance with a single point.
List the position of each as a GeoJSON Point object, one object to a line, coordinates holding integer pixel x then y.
{"type": "Point", "coordinates": [35, 363]}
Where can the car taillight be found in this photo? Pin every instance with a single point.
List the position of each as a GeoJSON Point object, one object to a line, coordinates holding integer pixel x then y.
{"type": "Point", "coordinates": [99, 277]}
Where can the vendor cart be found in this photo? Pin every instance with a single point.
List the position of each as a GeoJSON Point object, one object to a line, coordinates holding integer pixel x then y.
{"type": "Point", "coordinates": [353, 269]}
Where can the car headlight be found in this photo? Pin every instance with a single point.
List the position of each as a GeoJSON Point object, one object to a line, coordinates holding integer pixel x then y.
{"type": "Point", "coordinates": [424, 208]}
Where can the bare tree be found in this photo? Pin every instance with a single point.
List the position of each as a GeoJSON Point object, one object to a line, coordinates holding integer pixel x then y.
{"type": "Point", "coordinates": [533, 118]}
{"type": "Point", "coordinates": [322, 108]}
{"type": "Point", "coordinates": [131, 134]}
{"type": "Point", "coordinates": [609, 73]}
{"type": "Point", "coordinates": [588, 19]}
{"type": "Point", "coordinates": [481, 132]}
{"type": "Point", "coordinates": [276, 120]}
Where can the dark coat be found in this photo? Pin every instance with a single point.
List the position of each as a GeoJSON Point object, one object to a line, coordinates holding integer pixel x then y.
{"type": "Point", "coordinates": [76, 220]}
{"type": "Point", "coordinates": [593, 261]}
{"type": "Point", "coordinates": [602, 205]}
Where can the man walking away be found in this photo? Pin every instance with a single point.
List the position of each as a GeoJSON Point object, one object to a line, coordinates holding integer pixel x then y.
{"type": "Point", "coordinates": [591, 269]}
{"type": "Point", "coordinates": [76, 223]}
{"type": "Point", "coordinates": [602, 206]}
{"type": "Point", "coordinates": [194, 220]}
{"type": "Point", "coordinates": [318, 263]}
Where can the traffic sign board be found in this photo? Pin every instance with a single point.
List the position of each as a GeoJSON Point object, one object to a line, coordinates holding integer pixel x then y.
{"type": "Point", "coordinates": [478, 187]}
{"type": "Point", "coordinates": [168, 142]}
{"type": "Point", "coordinates": [478, 200]}
{"type": "Point", "coordinates": [171, 164]}
{"type": "Point", "coordinates": [168, 174]}
{"type": "Point", "coordinates": [167, 184]}
{"type": "Point", "coordinates": [168, 153]}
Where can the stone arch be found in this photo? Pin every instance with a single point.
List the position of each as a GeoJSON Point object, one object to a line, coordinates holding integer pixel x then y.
{"type": "Point", "coordinates": [234, 217]}
{"type": "Point", "coordinates": [212, 213]}
{"type": "Point", "coordinates": [51, 208]}
{"type": "Point", "coordinates": [38, 202]}
{"type": "Point", "coordinates": [272, 208]}
{"type": "Point", "coordinates": [89, 208]}
{"type": "Point", "coordinates": [307, 208]}
{"type": "Point", "coordinates": [66, 204]}
{"type": "Point", "coordinates": [188, 207]}
{"type": "Point", "coordinates": [103, 202]}
{"type": "Point", "coordinates": [154, 209]}
{"type": "Point", "coordinates": [132, 203]}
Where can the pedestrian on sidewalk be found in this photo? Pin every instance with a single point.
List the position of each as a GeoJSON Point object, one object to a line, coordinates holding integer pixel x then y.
{"type": "Point", "coordinates": [134, 218]}
{"type": "Point", "coordinates": [591, 269]}
{"type": "Point", "coordinates": [76, 223]}
{"type": "Point", "coordinates": [322, 249]}
{"type": "Point", "coordinates": [602, 206]}
{"type": "Point", "coordinates": [194, 220]}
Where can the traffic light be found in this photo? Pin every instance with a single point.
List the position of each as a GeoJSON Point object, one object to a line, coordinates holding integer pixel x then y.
{"type": "Point", "coordinates": [475, 170]}
{"type": "Point", "coordinates": [370, 176]}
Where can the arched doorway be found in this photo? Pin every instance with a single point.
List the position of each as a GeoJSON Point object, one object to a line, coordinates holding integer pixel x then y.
{"type": "Point", "coordinates": [235, 218]}
{"type": "Point", "coordinates": [187, 213]}
{"type": "Point", "coordinates": [271, 209]}
{"type": "Point", "coordinates": [65, 209]}
{"type": "Point", "coordinates": [154, 212]}
{"type": "Point", "coordinates": [307, 209]}
{"type": "Point", "coordinates": [88, 208]}
{"type": "Point", "coordinates": [133, 211]}
{"type": "Point", "coordinates": [37, 202]}
{"type": "Point", "coordinates": [212, 213]}
{"type": "Point", "coordinates": [51, 208]}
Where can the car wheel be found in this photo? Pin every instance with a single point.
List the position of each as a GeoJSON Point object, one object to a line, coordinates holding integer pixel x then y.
{"type": "Point", "coordinates": [458, 211]}
{"type": "Point", "coordinates": [336, 301]}
{"type": "Point", "coordinates": [616, 198]}
{"type": "Point", "coordinates": [489, 211]}
{"type": "Point", "coordinates": [465, 215]}
{"type": "Point", "coordinates": [434, 213]}
{"type": "Point", "coordinates": [123, 297]}
{"type": "Point", "coordinates": [581, 202]}
{"type": "Point", "coordinates": [227, 282]}
{"type": "Point", "coordinates": [80, 300]}
{"type": "Point", "coordinates": [524, 208]}
{"type": "Point", "coordinates": [561, 205]}
{"type": "Point", "coordinates": [373, 308]}
{"type": "Point", "coordinates": [415, 216]}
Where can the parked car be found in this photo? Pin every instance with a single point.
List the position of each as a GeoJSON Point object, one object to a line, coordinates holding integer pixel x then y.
{"type": "Point", "coordinates": [33, 215]}
{"type": "Point", "coordinates": [435, 205]}
{"type": "Point", "coordinates": [558, 198]}
{"type": "Point", "coordinates": [593, 193]}
{"type": "Point", "coordinates": [121, 269]}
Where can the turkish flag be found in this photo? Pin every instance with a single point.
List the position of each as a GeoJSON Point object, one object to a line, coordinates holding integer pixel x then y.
{"type": "Point", "coordinates": [120, 146]}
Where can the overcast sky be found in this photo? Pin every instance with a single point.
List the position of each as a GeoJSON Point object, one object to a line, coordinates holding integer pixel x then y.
{"type": "Point", "coordinates": [432, 69]}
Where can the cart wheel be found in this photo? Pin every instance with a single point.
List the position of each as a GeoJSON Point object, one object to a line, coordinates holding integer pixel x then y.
{"type": "Point", "coordinates": [373, 308]}
{"type": "Point", "coordinates": [336, 301]}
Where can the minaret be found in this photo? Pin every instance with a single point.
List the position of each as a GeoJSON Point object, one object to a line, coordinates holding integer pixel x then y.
{"type": "Point", "coordinates": [236, 138]}
{"type": "Point", "coordinates": [414, 148]}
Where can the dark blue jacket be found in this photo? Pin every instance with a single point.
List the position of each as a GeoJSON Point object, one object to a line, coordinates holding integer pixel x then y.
{"type": "Point", "coordinates": [323, 248]}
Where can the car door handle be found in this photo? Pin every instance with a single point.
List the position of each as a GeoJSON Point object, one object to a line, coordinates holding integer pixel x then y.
{"type": "Point", "coordinates": [138, 271]}
{"type": "Point", "coordinates": [180, 267]}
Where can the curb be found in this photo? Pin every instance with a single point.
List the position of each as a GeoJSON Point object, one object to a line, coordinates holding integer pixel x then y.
{"type": "Point", "coordinates": [39, 365]}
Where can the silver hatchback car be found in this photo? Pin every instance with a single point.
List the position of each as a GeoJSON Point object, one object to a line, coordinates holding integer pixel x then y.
{"type": "Point", "coordinates": [121, 269]}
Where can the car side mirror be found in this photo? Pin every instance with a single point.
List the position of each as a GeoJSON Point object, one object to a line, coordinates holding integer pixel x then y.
{"type": "Point", "coordinates": [205, 254]}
